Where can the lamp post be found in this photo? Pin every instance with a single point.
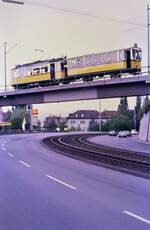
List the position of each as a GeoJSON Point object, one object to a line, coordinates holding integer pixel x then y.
{"type": "Point", "coordinates": [5, 64]}
{"type": "Point", "coordinates": [13, 2]}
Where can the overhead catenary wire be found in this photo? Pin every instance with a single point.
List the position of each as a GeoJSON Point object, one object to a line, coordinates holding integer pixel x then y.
{"type": "Point", "coordinates": [86, 14]}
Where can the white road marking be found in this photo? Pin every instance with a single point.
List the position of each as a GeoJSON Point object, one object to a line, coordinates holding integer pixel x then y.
{"type": "Point", "coordinates": [25, 164]}
{"type": "Point", "coordinates": [137, 217]}
{"type": "Point", "coordinates": [3, 148]}
{"type": "Point", "coordinates": [61, 182]}
{"type": "Point", "coordinates": [3, 144]}
{"type": "Point", "coordinates": [11, 155]}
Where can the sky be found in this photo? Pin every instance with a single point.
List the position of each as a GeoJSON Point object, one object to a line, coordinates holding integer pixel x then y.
{"type": "Point", "coordinates": [99, 25]}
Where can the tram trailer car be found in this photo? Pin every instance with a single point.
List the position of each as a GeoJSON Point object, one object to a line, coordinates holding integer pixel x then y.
{"type": "Point", "coordinates": [38, 74]}
{"type": "Point", "coordinates": [113, 63]}
{"type": "Point", "coordinates": [86, 67]}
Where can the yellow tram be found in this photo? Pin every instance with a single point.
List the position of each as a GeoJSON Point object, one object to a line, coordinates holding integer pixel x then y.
{"type": "Point", "coordinates": [64, 70]}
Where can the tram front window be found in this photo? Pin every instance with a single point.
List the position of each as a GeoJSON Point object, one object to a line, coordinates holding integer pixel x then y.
{"type": "Point", "coordinates": [136, 54]}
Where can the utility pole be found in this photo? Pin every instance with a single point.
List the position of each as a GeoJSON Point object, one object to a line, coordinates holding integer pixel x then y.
{"type": "Point", "coordinates": [30, 114]}
{"type": "Point", "coordinates": [148, 37]}
{"type": "Point", "coordinates": [5, 64]}
{"type": "Point", "coordinates": [100, 118]}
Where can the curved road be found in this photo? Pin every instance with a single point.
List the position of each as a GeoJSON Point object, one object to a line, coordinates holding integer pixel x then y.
{"type": "Point", "coordinates": [43, 190]}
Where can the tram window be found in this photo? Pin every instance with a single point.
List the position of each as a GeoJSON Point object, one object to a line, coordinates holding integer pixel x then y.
{"type": "Point", "coordinates": [44, 69]}
{"type": "Point", "coordinates": [133, 54]}
{"type": "Point", "coordinates": [36, 71]}
{"type": "Point", "coordinates": [136, 54]}
{"type": "Point", "coordinates": [122, 55]}
{"type": "Point", "coordinates": [139, 54]}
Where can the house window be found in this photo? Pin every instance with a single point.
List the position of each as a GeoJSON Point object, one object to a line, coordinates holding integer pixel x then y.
{"type": "Point", "coordinates": [82, 122]}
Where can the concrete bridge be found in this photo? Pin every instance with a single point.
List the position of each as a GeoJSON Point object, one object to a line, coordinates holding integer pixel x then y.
{"type": "Point", "coordinates": [100, 89]}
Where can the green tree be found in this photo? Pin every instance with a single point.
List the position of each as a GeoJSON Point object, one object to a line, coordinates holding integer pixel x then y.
{"type": "Point", "coordinates": [118, 123]}
{"type": "Point", "coordinates": [8, 116]}
{"type": "Point", "coordinates": [93, 126]}
{"type": "Point", "coordinates": [62, 125]}
{"type": "Point", "coordinates": [17, 118]}
{"type": "Point", "coordinates": [138, 109]}
{"type": "Point", "coordinates": [50, 124]}
{"type": "Point", "coordinates": [146, 100]}
{"type": "Point", "coordinates": [106, 126]}
{"type": "Point", "coordinates": [123, 107]}
{"type": "Point", "coordinates": [146, 107]}
{"type": "Point", "coordinates": [121, 122]}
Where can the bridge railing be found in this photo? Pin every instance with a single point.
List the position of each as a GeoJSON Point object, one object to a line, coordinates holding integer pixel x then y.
{"type": "Point", "coordinates": [78, 79]}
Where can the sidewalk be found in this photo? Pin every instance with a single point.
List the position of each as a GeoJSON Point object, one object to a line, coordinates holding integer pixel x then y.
{"type": "Point", "coordinates": [130, 143]}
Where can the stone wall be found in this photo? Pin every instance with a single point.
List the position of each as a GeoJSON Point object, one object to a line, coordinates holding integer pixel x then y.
{"type": "Point", "coordinates": [144, 132]}
{"type": "Point", "coordinates": [1, 114]}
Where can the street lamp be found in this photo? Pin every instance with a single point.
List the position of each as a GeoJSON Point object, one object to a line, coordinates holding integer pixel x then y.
{"type": "Point", "coordinates": [5, 53]}
{"type": "Point", "coordinates": [5, 43]}
{"type": "Point", "coordinates": [13, 2]}
{"type": "Point", "coordinates": [40, 51]}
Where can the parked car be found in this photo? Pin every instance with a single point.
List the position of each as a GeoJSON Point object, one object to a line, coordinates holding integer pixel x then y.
{"type": "Point", "coordinates": [134, 132]}
{"type": "Point", "coordinates": [112, 133]}
{"type": "Point", "coordinates": [122, 134]}
{"type": "Point", "coordinates": [128, 133]}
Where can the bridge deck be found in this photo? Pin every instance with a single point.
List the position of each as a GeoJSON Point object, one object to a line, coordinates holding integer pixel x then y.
{"type": "Point", "coordinates": [105, 88]}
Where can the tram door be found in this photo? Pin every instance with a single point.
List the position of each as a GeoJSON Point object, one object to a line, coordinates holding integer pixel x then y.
{"type": "Point", "coordinates": [128, 55]}
{"type": "Point", "coordinates": [52, 70]}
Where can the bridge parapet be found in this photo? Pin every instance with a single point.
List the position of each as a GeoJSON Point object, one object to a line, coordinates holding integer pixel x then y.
{"type": "Point", "coordinates": [105, 88]}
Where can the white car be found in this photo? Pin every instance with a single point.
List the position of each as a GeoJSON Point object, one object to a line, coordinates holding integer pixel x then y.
{"type": "Point", "coordinates": [128, 133]}
{"type": "Point", "coordinates": [122, 134]}
{"type": "Point", "coordinates": [134, 132]}
{"type": "Point", "coordinates": [112, 133]}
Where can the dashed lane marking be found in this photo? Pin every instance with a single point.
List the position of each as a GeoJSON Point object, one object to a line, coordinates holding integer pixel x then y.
{"type": "Point", "coordinates": [11, 155]}
{"type": "Point", "coordinates": [61, 182]}
{"type": "Point", "coordinates": [137, 217]}
{"type": "Point", "coordinates": [25, 164]}
{"type": "Point", "coordinates": [3, 148]}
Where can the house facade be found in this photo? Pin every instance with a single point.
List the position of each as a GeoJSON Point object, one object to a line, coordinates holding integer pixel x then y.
{"type": "Point", "coordinates": [80, 119]}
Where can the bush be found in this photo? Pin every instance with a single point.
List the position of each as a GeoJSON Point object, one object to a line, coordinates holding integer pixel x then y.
{"type": "Point", "coordinates": [51, 125]}
{"type": "Point", "coordinates": [118, 123]}
{"type": "Point", "coordinates": [72, 129]}
{"type": "Point", "coordinates": [146, 107]}
{"type": "Point", "coordinates": [93, 126]}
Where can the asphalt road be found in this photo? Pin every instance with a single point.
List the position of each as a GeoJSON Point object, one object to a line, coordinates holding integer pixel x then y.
{"type": "Point", "coordinates": [43, 190]}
